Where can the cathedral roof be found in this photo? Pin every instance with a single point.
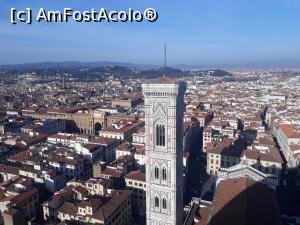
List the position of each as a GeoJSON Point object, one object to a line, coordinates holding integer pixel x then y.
{"type": "Point", "coordinates": [243, 201]}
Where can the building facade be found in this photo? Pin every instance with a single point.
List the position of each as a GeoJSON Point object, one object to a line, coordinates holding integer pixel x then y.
{"type": "Point", "coordinates": [84, 203]}
{"type": "Point", "coordinates": [228, 153]}
{"type": "Point", "coordinates": [164, 107]}
{"type": "Point", "coordinates": [136, 182]}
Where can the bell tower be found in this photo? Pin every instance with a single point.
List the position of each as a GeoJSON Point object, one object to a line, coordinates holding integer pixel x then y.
{"type": "Point", "coordinates": [164, 108]}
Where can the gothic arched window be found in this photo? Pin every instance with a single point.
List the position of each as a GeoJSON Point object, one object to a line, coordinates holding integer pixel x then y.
{"type": "Point", "coordinates": [156, 173]}
{"type": "Point", "coordinates": [160, 135]}
{"type": "Point", "coordinates": [156, 202]}
{"type": "Point", "coordinates": [164, 203]}
{"type": "Point", "coordinates": [164, 174]}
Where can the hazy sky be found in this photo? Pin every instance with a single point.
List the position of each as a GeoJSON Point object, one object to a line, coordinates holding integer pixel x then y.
{"type": "Point", "coordinates": [196, 31]}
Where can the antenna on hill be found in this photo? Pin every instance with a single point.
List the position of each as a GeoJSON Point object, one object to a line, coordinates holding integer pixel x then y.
{"type": "Point", "coordinates": [165, 66]}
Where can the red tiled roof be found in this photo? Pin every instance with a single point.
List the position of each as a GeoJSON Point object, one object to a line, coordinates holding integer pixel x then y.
{"type": "Point", "coordinates": [102, 140]}
{"type": "Point", "coordinates": [91, 147]}
{"type": "Point", "coordinates": [36, 139]}
{"type": "Point", "coordinates": [225, 147]}
{"type": "Point", "coordinates": [116, 201]}
{"type": "Point", "coordinates": [9, 170]}
{"type": "Point", "coordinates": [112, 172]}
{"type": "Point", "coordinates": [127, 125]}
{"type": "Point", "coordinates": [20, 157]}
{"type": "Point", "coordinates": [290, 131]}
{"type": "Point", "coordinates": [136, 175]}
{"type": "Point", "coordinates": [294, 148]}
{"type": "Point", "coordinates": [24, 196]}
{"type": "Point", "coordinates": [202, 215]}
{"type": "Point", "coordinates": [272, 155]}
{"type": "Point", "coordinates": [243, 201]}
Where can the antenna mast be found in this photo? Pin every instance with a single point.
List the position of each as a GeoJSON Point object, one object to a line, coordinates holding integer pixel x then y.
{"type": "Point", "coordinates": [165, 66]}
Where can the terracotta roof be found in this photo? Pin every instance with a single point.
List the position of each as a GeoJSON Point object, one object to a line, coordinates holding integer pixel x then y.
{"type": "Point", "coordinates": [294, 147]}
{"type": "Point", "coordinates": [118, 197]}
{"type": "Point", "coordinates": [59, 136]}
{"type": "Point", "coordinates": [9, 170]}
{"type": "Point", "coordinates": [243, 201]}
{"type": "Point", "coordinates": [91, 147]}
{"type": "Point", "coordinates": [201, 217]}
{"type": "Point", "coordinates": [290, 131]}
{"type": "Point", "coordinates": [102, 209]}
{"type": "Point", "coordinates": [24, 196]}
{"type": "Point", "coordinates": [136, 175]}
{"type": "Point", "coordinates": [29, 169]}
{"type": "Point", "coordinates": [20, 157]}
{"type": "Point", "coordinates": [126, 125]}
{"type": "Point", "coordinates": [93, 203]}
{"type": "Point", "coordinates": [267, 141]}
{"type": "Point", "coordinates": [102, 140]}
{"type": "Point", "coordinates": [208, 129]}
{"type": "Point", "coordinates": [81, 190]}
{"type": "Point", "coordinates": [112, 172]}
{"type": "Point", "coordinates": [36, 139]}
{"type": "Point", "coordinates": [225, 147]}
{"type": "Point", "coordinates": [68, 208]}
{"type": "Point", "coordinates": [125, 146]}
{"type": "Point", "coordinates": [272, 155]}
{"type": "Point", "coordinates": [66, 109]}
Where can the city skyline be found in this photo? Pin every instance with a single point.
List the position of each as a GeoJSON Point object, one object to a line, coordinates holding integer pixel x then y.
{"type": "Point", "coordinates": [144, 112]}
{"type": "Point", "coordinates": [198, 33]}
{"type": "Point", "coordinates": [116, 147]}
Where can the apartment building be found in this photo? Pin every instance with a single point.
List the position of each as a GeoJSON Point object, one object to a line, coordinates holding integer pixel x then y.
{"type": "Point", "coordinates": [210, 135]}
{"type": "Point", "coordinates": [289, 140]}
{"type": "Point", "coordinates": [228, 153]}
{"type": "Point", "coordinates": [122, 130]}
{"type": "Point", "coordinates": [21, 195]}
{"type": "Point", "coordinates": [136, 181]}
{"type": "Point", "coordinates": [78, 203]}
{"type": "Point", "coordinates": [127, 101]}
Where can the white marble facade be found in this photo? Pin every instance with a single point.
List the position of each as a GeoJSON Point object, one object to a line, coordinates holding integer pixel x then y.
{"type": "Point", "coordinates": [164, 107]}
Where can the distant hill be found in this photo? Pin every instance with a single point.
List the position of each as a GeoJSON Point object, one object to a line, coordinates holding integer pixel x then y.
{"type": "Point", "coordinates": [100, 70]}
{"type": "Point", "coordinates": [153, 73]}
{"type": "Point", "coordinates": [267, 64]}
{"type": "Point", "coordinates": [264, 64]}
{"type": "Point", "coordinates": [72, 64]}
{"type": "Point", "coordinates": [220, 73]}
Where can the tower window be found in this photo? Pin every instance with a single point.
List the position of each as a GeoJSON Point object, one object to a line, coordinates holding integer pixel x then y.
{"type": "Point", "coordinates": [164, 203]}
{"type": "Point", "coordinates": [156, 173]}
{"type": "Point", "coordinates": [164, 174]}
{"type": "Point", "coordinates": [156, 202]}
{"type": "Point", "coordinates": [160, 135]}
